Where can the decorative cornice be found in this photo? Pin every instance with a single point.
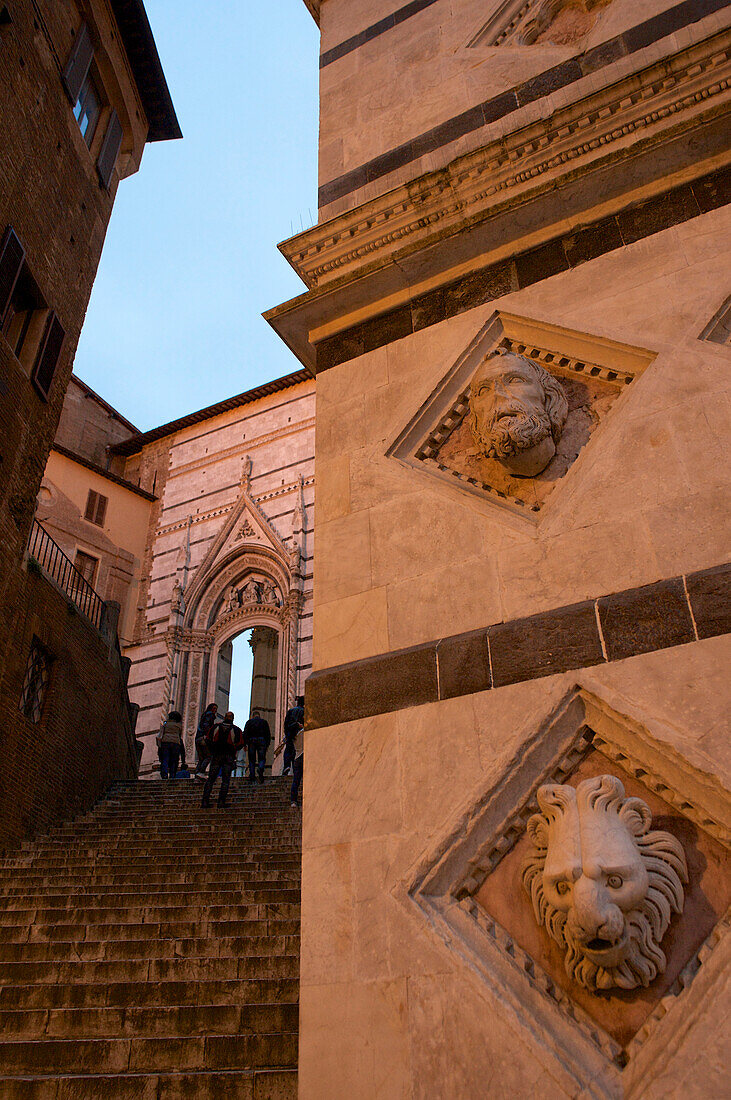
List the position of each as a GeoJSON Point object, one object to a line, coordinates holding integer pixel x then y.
{"type": "Point", "coordinates": [216, 513]}
{"type": "Point", "coordinates": [662, 98]}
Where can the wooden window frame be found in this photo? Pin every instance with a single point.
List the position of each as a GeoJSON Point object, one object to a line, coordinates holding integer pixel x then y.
{"type": "Point", "coordinates": [96, 512]}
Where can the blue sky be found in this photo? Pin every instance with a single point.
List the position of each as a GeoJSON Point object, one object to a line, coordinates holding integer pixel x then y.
{"type": "Point", "coordinates": [190, 260]}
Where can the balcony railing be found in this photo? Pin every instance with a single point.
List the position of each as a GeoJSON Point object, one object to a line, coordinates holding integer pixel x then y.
{"type": "Point", "coordinates": [52, 560]}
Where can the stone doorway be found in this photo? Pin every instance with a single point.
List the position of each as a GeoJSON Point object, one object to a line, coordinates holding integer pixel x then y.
{"type": "Point", "coordinates": [246, 678]}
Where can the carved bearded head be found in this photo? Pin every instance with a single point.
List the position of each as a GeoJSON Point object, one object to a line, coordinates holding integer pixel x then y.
{"type": "Point", "coordinates": [517, 412]}
{"type": "Point", "coordinates": [602, 884]}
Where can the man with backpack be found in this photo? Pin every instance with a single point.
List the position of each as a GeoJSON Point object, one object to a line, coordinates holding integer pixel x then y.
{"type": "Point", "coordinates": [256, 739]}
{"type": "Point", "coordinates": [206, 723]}
{"type": "Point", "coordinates": [224, 739]}
{"type": "Point", "coordinates": [294, 721]}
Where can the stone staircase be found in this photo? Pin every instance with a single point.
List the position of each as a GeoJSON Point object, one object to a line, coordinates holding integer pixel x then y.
{"type": "Point", "coordinates": [150, 949]}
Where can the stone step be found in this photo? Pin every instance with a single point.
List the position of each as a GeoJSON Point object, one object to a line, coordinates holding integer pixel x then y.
{"type": "Point", "coordinates": [141, 914]}
{"type": "Point", "coordinates": [156, 941]}
{"type": "Point", "coordinates": [135, 884]}
{"type": "Point", "coordinates": [167, 1053]}
{"type": "Point", "coordinates": [193, 946]}
{"type": "Point", "coordinates": [81, 971]}
{"type": "Point", "coordinates": [236, 991]}
{"type": "Point", "coordinates": [160, 1020]}
{"type": "Point", "coordinates": [139, 840]}
{"type": "Point", "coordinates": [163, 930]}
{"type": "Point", "coordinates": [148, 871]}
{"type": "Point", "coordinates": [238, 1084]}
{"type": "Point", "coordinates": [27, 898]}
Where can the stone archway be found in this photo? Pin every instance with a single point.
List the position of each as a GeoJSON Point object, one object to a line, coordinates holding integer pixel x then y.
{"type": "Point", "coordinates": [253, 586]}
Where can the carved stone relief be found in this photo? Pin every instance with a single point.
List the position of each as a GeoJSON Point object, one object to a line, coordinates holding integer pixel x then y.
{"type": "Point", "coordinates": [513, 414]}
{"type": "Point", "coordinates": [602, 883]}
{"type": "Point", "coordinates": [548, 23]}
{"type": "Point", "coordinates": [525, 885]}
{"type": "Point", "coordinates": [517, 412]}
{"type": "Point", "coordinates": [256, 590]}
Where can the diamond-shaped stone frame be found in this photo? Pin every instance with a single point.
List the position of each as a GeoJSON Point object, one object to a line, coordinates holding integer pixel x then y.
{"type": "Point", "coordinates": [450, 874]}
{"type": "Point", "coordinates": [564, 352]}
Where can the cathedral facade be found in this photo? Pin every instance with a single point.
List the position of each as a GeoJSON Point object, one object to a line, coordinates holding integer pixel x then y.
{"type": "Point", "coordinates": [229, 548]}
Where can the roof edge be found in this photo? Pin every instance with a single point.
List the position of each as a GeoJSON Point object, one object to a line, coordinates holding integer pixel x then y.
{"type": "Point", "coordinates": [136, 443]}
{"type": "Point", "coordinates": [139, 43]}
{"type": "Point", "coordinates": [97, 469]}
{"type": "Point", "coordinates": [104, 404]}
{"type": "Point", "coordinates": [313, 7]}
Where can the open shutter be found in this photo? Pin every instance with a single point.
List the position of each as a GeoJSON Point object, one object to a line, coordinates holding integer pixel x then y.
{"type": "Point", "coordinates": [12, 255]}
{"type": "Point", "coordinates": [48, 355]}
{"type": "Point", "coordinates": [78, 63]}
{"type": "Point", "coordinates": [101, 510]}
{"type": "Point", "coordinates": [110, 149]}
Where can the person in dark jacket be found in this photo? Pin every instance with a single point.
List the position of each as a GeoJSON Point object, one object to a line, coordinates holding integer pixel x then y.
{"type": "Point", "coordinates": [170, 745]}
{"type": "Point", "coordinates": [256, 739]}
{"type": "Point", "coordinates": [224, 739]}
{"type": "Point", "coordinates": [294, 721]}
{"type": "Point", "coordinates": [208, 717]}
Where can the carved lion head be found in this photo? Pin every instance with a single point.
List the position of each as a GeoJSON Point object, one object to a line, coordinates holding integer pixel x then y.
{"type": "Point", "coordinates": [603, 885]}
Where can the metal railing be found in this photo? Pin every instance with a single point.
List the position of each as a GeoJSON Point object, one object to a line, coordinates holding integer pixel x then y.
{"type": "Point", "coordinates": [51, 559]}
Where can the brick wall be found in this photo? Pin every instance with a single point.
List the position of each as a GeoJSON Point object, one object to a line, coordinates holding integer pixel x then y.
{"type": "Point", "coordinates": [50, 193]}
{"type": "Point", "coordinates": [59, 767]}
{"type": "Point", "coordinates": [88, 426]}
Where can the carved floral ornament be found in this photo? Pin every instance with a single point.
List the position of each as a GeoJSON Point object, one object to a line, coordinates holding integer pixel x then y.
{"type": "Point", "coordinates": [602, 883]}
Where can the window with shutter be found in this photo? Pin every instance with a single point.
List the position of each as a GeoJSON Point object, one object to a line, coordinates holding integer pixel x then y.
{"type": "Point", "coordinates": [48, 355]}
{"type": "Point", "coordinates": [12, 255]}
{"type": "Point", "coordinates": [109, 151]}
{"type": "Point", "coordinates": [87, 110]}
{"type": "Point", "coordinates": [96, 508]}
{"type": "Point", "coordinates": [79, 62]}
{"type": "Point", "coordinates": [87, 566]}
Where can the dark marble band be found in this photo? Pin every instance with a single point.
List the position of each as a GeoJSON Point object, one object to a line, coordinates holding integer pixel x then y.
{"type": "Point", "coordinates": [543, 84]}
{"type": "Point", "coordinates": [624, 624]}
{"type": "Point", "coordinates": [375, 29]}
{"type": "Point", "coordinates": [637, 222]}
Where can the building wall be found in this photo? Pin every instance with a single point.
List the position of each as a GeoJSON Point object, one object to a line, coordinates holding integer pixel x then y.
{"type": "Point", "coordinates": [118, 545]}
{"type": "Point", "coordinates": [59, 766]}
{"type": "Point", "coordinates": [199, 472]}
{"type": "Point", "coordinates": [88, 425]}
{"type": "Point", "coordinates": [471, 628]}
{"type": "Point", "coordinates": [52, 197]}
{"type": "Point", "coordinates": [426, 60]}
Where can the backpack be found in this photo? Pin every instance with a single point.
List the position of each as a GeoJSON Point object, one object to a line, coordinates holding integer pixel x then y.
{"type": "Point", "coordinates": [225, 735]}
{"type": "Point", "coordinates": [293, 720]}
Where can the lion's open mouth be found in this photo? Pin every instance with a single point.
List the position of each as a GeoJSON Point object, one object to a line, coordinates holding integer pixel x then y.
{"type": "Point", "coordinates": [598, 944]}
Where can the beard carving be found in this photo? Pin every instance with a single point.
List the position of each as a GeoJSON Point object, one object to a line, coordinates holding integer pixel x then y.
{"type": "Point", "coordinates": [517, 431]}
{"type": "Point", "coordinates": [602, 884]}
{"type": "Point", "coordinates": [517, 412]}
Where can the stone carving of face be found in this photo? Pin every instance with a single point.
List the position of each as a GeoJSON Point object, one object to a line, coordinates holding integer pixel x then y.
{"type": "Point", "coordinates": [517, 412]}
{"type": "Point", "coordinates": [602, 884]}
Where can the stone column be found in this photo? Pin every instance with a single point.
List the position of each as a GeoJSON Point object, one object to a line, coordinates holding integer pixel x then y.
{"type": "Point", "coordinates": [265, 644]}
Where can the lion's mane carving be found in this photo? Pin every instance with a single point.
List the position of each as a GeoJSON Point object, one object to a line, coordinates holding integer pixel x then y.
{"type": "Point", "coordinates": [602, 884]}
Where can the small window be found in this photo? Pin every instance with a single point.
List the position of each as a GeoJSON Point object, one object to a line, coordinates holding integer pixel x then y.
{"type": "Point", "coordinates": [87, 565]}
{"type": "Point", "coordinates": [37, 675]}
{"type": "Point", "coordinates": [96, 508]}
{"type": "Point", "coordinates": [87, 109]}
{"type": "Point", "coordinates": [34, 332]}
